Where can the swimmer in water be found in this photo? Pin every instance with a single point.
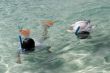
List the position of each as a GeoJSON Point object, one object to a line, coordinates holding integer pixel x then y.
{"type": "Point", "coordinates": [27, 44]}
{"type": "Point", "coordinates": [81, 29]}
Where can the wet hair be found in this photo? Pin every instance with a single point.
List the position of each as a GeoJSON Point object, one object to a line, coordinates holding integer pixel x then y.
{"type": "Point", "coordinates": [28, 44]}
{"type": "Point", "coordinates": [83, 35]}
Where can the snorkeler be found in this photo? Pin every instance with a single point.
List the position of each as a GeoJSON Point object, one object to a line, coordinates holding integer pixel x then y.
{"type": "Point", "coordinates": [81, 29]}
{"type": "Point", "coordinates": [27, 44]}
{"type": "Point", "coordinates": [46, 24]}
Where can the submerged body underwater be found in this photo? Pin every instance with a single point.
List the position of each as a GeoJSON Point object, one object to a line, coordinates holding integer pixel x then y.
{"type": "Point", "coordinates": [68, 53]}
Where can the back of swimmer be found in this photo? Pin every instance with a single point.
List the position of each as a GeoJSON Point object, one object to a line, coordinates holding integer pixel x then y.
{"type": "Point", "coordinates": [81, 29]}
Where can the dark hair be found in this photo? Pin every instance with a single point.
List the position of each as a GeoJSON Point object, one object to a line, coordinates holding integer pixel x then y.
{"type": "Point", "coordinates": [83, 34]}
{"type": "Point", "coordinates": [28, 44]}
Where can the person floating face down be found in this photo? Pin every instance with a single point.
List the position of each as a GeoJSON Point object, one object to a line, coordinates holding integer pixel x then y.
{"type": "Point", "coordinates": [27, 44]}
{"type": "Point", "coordinates": [81, 29]}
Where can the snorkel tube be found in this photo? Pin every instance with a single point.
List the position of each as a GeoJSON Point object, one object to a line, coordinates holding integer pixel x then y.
{"type": "Point", "coordinates": [18, 53]}
{"type": "Point", "coordinates": [77, 30]}
{"type": "Point", "coordinates": [20, 39]}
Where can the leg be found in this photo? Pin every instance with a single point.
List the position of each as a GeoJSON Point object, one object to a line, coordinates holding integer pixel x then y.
{"type": "Point", "coordinates": [18, 58]}
{"type": "Point", "coordinates": [45, 32]}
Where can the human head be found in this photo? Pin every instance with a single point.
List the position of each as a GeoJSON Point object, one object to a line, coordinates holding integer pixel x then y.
{"type": "Point", "coordinates": [28, 44]}
{"type": "Point", "coordinates": [83, 35]}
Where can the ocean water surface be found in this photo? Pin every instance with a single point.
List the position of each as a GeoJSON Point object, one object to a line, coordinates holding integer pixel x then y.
{"type": "Point", "coordinates": [69, 54]}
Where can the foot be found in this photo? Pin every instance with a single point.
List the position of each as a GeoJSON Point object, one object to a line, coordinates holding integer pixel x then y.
{"type": "Point", "coordinates": [49, 50]}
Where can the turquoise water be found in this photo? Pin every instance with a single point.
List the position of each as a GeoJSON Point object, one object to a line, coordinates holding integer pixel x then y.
{"type": "Point", "coordinates": [69, 54]}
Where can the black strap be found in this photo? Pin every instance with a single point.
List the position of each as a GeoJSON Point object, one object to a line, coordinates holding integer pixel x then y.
{"type": "Point", "coordinates": [76, 32]}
